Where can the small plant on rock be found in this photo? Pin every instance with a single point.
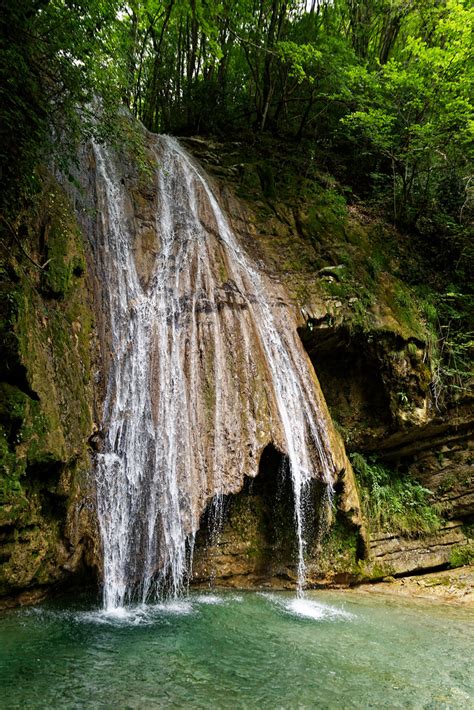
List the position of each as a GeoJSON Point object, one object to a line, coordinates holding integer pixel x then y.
{"type": "Point", "coordinates": [394, 502]}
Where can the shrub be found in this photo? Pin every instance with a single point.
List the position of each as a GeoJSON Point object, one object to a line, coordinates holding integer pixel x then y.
{"type": "Point", "coordinates": [394, 502]}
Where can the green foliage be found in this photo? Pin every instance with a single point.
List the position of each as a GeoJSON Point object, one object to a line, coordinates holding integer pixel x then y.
{"type": "Point", "coordinates": [299, 60]}
{"type": "Point", "coordinates": [450, 320]}
{"type": "Point", "coordinates": [461, 555]}
{"type": "Point", "coordinates": [381, 91]}
{"type": "Point", "coordinates": [385, 90]}
{"type": "Point", "coordinates": [56, 70]}
{"type": "Point", "coordinates": [394, 502]}
{"type": "Point", "coordinates": [415, 112]}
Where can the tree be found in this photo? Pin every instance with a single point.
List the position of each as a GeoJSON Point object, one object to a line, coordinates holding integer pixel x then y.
{"type": "Point", "coordinates": [55, 62]}
{"type": "Point", "coordinates": [416, 112]}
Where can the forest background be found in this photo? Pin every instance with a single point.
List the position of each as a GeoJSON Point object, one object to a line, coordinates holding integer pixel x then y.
{"type": "Point", "coordinates": [379, 92]}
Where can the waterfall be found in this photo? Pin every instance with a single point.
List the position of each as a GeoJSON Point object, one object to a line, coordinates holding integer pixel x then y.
{"type": "Point", "coordinates": [206, 367]}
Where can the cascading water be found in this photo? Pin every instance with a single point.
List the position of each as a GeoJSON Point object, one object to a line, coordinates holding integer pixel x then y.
{"type": "Point", "coordinates": [205, 369]}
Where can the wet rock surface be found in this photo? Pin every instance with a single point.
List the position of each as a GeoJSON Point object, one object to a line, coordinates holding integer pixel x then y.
{"type": "Point", "coordinates": [395, 554]}
{"type": "Point", "coordinates": [203, 367]}
{"type": "Point", "coordinates": [370, 348]}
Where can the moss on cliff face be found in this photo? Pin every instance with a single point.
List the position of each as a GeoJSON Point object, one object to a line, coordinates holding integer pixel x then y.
{"type": "Point", "coordinates": [45, 393]}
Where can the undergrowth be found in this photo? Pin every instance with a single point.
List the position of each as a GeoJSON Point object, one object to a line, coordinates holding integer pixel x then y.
{"type": "Point", "coordinates": [451, 345]}
{"type": "Point", "coordinates": [394, 502]}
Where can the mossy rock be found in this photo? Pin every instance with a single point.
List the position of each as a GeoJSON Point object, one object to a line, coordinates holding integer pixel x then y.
{"type": "Point", "coordinates": [339, 551]}
{"type": "Point", "coordinates": [462, 555]}
{"type": "Point", "coordinates": [46, 322]}
{"type": "Point", "coordinates": [63, 249]}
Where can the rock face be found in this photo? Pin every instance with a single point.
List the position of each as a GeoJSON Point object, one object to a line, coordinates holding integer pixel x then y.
{"type": "Point", "coordinates": [396, 555]}
{"type": "Point", "coordinates": [46, 413]}
{"type": "Point", "coordinates": [361, 377]}
{"type": "Point", "coordinates": [370, 347]}
{"type": "Point", "coordinates": [453, 585]}
{"type": "Point", "coordinates": [204, 370]}
{"type": "Point", "coordinates": [335, 293]}
{"type": "Point", "coordinates": [48, 519]}
{"type": "Point", "coordinates": [439, 455]}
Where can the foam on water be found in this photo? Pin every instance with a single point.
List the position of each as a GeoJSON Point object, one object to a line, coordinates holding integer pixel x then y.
{"type": "Point", "coordinates": [208, 599]}
{"type": "Point", "coordinates": [308, 608]}
{"type": "Point", "coordinates": [142, 614]}
{"type": "Point", "coordinates": [174, 606]}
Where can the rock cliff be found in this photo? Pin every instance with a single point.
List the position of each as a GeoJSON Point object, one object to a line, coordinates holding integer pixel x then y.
{"type": "Point", "coordinates": [372, 343]}
{"type": "Point", "coordinates": [340, 273]}
{"type": "Point", "coordinates": [46, 404]}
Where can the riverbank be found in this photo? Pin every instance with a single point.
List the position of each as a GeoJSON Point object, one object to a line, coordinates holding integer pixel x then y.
{"type": "Point", "coordinates": [453, 585]}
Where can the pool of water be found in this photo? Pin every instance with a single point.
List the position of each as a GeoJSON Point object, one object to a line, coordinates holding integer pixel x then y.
{"type": "Point", "coordinates": [239, 650]}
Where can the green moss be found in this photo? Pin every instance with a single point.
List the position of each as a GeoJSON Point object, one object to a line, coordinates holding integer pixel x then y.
{"type": "Point", "coordinates": [31, 558]}
{"type": "Point", "coordinates": [429, 312]}
{"type": "Point", "coordinates": [57, 278]}
{"type": "Point", "coordinates": [53, 343]}
{"type": "Point", "coordinates": [223, 275]}
{"type": "Point", "coordinates": [11, 470]}
{"type": "Point", "coordinates": [13, 408]}
{"type": "Point", "coordinates": [468, 530]}
{"type": "Point", "coordinates": [326, 215]}
{"type": "Point", "coordinates": [247, 518]}
{"type": "Point", "coordinates": [448, 483]}
{"type": "Point", "coordinates": [45, 395]}
{"type": "Point", "coordinates": [376, 571]}
{"type": "Point", "coordinates": [130, 139]}
{"type": "Point", "coordinates": [377, 261]}
{"type": "Point", "coordinates": [339, 551]}
{"type": "Point", "coordinates": [405, 308]}
{"type": "Point", "coordinates": [461, 555]}
{"type": "Point", "coordinates": [65, 260]}
{"type": "Point", "coordinates": [267, 179]}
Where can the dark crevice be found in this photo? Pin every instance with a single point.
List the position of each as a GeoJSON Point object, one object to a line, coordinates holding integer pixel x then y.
{"type": "Point", "coordinates": [13, 373]}
{"type": "Point", "coordinates": [47, 472]}
{"type": "Point", "coordinates": [265, 503]}
{"type": "Point", "coordinates": [53, 506]}
{"type": "Point", "coordinates": [415, 573]}
{"type": "Point", "coordinates": [256, 526]}
{"type": "Point", "coordinates": [349, 371]}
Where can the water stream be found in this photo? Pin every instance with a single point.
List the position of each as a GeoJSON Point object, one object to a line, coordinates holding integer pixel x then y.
{"type": "Point", "coordinates": [178, 409]}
